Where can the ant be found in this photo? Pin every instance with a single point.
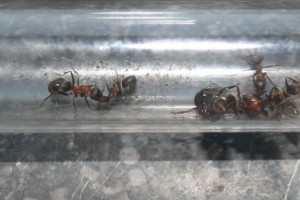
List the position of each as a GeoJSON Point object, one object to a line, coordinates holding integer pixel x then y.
{"type": "Point", "coordinates": [214, 102]}
{"type": "Point", "coordinates": [259, 77]}
{"type": "Point", "coordinates": [122, 88]}
{"type": "Point", "coordinates": [63, 87]}
{"type": "Point", "coordinates": [118, 89]}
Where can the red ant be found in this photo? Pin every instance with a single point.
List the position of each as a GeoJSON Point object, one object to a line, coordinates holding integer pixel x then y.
{"type": "Point", "coordinates": [259, 77]}
{"type": "Point", "coordinates": [63, 87]}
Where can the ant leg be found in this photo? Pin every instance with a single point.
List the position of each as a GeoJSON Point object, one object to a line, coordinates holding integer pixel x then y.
{"type": "Point", "coordinates": [45, 100]}
{"type": "Point", "coordinates": [270, 66]}
{"type": "Point", "coordinates": [270, 80]}
{"type": "Point", "coordinates": [181, 112]}
{"type": "Point", "coordinates": [293, 80]}
{"type": "Point", "coordinates": [74, 105]}
{"type": "Point", "coordinates": [72, 76]}
{"type": "Point", "coordinates": [238, 92]}
{"type": "Point", "coordinates": [87, 103]}
{"type": "Point", "coordinates": [234, 105]}
{"type": "Point", "coordinates": [230, 87]}
{"type": "Point", "coordinates": [109, 92]}
{"type": "Point", "coordinates": [77, 75]}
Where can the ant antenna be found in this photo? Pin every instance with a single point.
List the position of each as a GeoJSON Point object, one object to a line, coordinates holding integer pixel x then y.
{"type": "Point", "coordinates": [181, 112]}
{"type": "Point", "coordinates": [45, 100]}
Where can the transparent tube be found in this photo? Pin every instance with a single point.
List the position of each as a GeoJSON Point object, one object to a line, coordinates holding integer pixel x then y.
{"type": "Point", "coordinates": [173, 54]}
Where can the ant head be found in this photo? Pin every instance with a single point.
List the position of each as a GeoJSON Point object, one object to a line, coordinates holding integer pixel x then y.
{"type": "Point", "coordinates": [253, 60]}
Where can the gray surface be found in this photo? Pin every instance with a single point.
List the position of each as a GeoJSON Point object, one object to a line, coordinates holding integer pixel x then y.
{"type": "Point", "coordinates": [151, 180]}
{"type": "Point", "coordinates": [149, 166]}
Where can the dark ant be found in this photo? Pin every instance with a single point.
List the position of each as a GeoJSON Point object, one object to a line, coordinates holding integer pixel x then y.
{"type": "Point", "coordinates": [119, 89]}
{"type": "Point", "coordinates": [292, 86]}
{"type": "Point", "coordinates": [122, 88]}
{"type": "Point", "coordinates": [259, 77]}
{"type": "Point", "coordinates": [214, 102]}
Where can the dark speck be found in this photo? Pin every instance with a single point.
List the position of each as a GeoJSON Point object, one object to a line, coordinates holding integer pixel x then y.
{"type": "Point", "coordinates": [249, 191]}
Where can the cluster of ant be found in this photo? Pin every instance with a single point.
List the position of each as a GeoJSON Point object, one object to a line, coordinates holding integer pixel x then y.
{"type": "Point", "coordinates": [214, 102]}
{"type": "Point", "coordinates": [120, 88]}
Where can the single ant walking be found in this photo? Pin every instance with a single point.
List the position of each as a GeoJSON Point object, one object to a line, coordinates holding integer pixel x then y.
{"type": "Point", "coordinates": [259, 77]}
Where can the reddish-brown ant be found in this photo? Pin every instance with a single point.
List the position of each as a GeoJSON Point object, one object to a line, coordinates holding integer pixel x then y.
{"type": "Point", "coordinates": [64, 87]}
{"type": "Point", "coordinates": [259, 77]}
{"type": "Point", "coordinates": [214, 102]}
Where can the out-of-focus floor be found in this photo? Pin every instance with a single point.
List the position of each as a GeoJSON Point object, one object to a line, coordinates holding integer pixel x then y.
{"type": "Point", "coordinates": [149, 166]}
